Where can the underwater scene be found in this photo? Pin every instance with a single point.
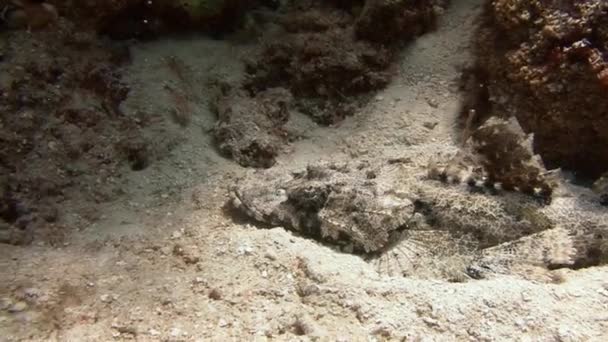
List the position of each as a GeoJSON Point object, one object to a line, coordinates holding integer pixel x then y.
{"type": "Point", "coordinates": [303, 170]}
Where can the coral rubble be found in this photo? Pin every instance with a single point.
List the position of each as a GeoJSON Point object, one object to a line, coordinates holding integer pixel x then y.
{"type": "Point", "coordinates": [249, 129]}
{"type": "Point", "coordinates": [62, 132]}
{"type": "Point", "coordinates": [333, 56]}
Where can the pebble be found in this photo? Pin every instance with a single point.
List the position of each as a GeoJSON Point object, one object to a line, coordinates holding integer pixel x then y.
{"type": "Point", "coordinates": [564, 334]}
{"type": "Point", "coordinates": [521, 324]}
{"type": "Point", "coordinates": [307, 326]}
{"type": "Point", "coordinates": [215, 294]}
{"type": "Point", "coordinates": [244, 250]}
{"type": "Point", "coordinates": [270, 255]}
{"type": "Point", "coordinates": [153, 332]}
{"type": "Point", "coordinates": [5, 303]}
{"type": "Point", "coordinates": [430, 124]}
{"type": "Point", "coordinates": [177, 332]}
{"type": "Point", "coordinates": [106, 298]}
{"type": "Point", "coordinates": [18, 307]}
{"type": "Point", "coordinates": [432, 102]}
{"type": "Point", "coordinates": [32, 292]}
{"type": "Point", "coordinates": [222, 323]}
{"type": "Point", "coordinates": [348, 248]}
{"type": "Point", "coordinates": [430, 322]}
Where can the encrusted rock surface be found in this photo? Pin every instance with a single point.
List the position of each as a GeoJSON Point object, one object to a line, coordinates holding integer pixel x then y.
{"type": "Point", "coordinates": [250, 129]}
{"type": "Point", "coordinates": [333, 56]}
{"type": "Point", "coordinates": [544, 62]}
{"type": "Point", "coordinates": [125, 19]}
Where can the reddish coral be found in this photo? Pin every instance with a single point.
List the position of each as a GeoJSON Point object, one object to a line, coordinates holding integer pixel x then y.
{"type": "Point", "coordinates": [544, 63]}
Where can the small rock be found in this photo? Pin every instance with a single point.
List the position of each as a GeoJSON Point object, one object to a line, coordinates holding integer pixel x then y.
{"type": "Point", "coordinates": [153, 332]}
{"type": "Point", "coordinates": [5, 235]}
{"type": "Point", "coordinates": [5, 303]}
{"type": "Point", "coordinates": [199, 280]}
{"type": "Point", "coordinates": [222, 323]}
{"type": "Point", "coordinates": [270, 255]}
{"type": "Point", "coordinates": [430, 124]}
{"type": "Point", "coordinates": [526, 297]}
{"type": "Point", "coordinates": [565, 334]}
{"type": "Point", "coordinates": [31, 292]}
{"type": "Point", "coordinates": [106, 298]}
{"type": "Point", "coordinates": [176, 332]}
{"type": "Point", "coordinates": [176, 235]}
{"type": "Point", "coordinates": [430, 322]}
{"type": "Point", "coordinates": [18, 307]}
{"type": "Point", "coordinates": [264, 330]}
{"type": "Point", "coordinates": [521, 324]}
{"type": "Point", "coordinates": [304, 289]}
{"type": "Point", "coordinates": [305, 325]}
{"type": "Point", "coordinates": [188, 255]}
{"type": "Point", "coordinates": [348, 248]}
{"type": "Point", "coordinates": [125, 329]}
{"type": "Point", "coordinates": [432, 102]}
{"type": "Point", "coordinates": [382, 331]}
{"type": "Point", "coordinates": [244, 250]}
{"type": "Point", "coordinates": [215, 294]}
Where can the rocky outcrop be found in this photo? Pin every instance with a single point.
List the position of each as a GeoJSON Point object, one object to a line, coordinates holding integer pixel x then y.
{"type": "Point", "coordinates": [250, 129]}
{"type": "Point", "coordinates": [545, 63]}
{"type": "Point", "coordinates": [332, 56]}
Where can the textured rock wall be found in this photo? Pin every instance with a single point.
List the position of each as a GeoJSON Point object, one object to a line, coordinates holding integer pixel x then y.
{"type": "Point", "coordinates": [544, 62]}
{"type": "Point", "coordinates": [124, 19]}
